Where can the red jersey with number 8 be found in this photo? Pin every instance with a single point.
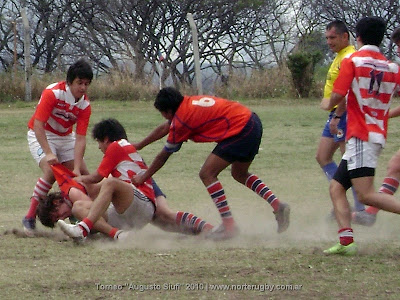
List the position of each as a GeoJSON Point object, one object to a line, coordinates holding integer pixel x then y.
{"type": "Point", "coordinates": [207, 119]}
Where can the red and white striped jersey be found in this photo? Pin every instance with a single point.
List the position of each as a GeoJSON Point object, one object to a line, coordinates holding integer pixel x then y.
{"type": "Point", "coordinates": [370, 81]}
{"type": "Point", "coordinates": [59, 111]}
{"type": "Point", "coordinates": [122, 161]}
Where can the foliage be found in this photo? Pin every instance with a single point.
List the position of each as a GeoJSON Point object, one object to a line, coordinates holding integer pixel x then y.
{"type": "Point", "coordinates": [302, 67]}
{"type": "Point", "coordinates": [270, 83]}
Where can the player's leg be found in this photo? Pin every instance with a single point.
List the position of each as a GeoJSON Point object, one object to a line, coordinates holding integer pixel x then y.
{"type": "Point", "coordinates": [367, 195]}
{"type": "Point", "coordinates": [70, 165]}
{"type": "Point", "coordinates": [182, 222]}
{"type": "Point", "coordinates": [42, 186]}
{"type": "Point", "coordinates": [389, 186]}
{"type": "Point", "coordinates": [324, 156]}
{"type": "Point", "coordinates": [209, 176]}
{"type": "Point", "coordinates": [326, 150]}
{"type": "Point", "coordinates": [240, 172]}
{"type": "Point", "coordinates": [337, 190]}
{"type": "Point", "coordinates": [340, 139]}
{"type": "Point", "coordinates": [120, 193]}
{"type": "Point", "coordinates": [81, 210]}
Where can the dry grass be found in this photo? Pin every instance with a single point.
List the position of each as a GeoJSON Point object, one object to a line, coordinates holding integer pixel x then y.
{"type": "Point", "coordinates": [159, 265]}
{"type": "Point", "coordinates": [271, 83]}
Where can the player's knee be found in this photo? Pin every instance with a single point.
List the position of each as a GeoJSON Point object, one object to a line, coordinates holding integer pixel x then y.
{"type": "Point", "coordinates": [204, 175]}
{"type": "Point", "coordinates": [336, 189]}
{"type": "Point", "coordinates": [239, 176]}
{"type": "Point", "coordinates": [393, 170]}
{"type": "Point", "coordinates": [110, 183]}
{"type": "Point", "coordinates": [322, 159]}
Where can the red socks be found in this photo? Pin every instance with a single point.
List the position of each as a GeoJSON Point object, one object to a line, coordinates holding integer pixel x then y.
{"type": "Point", "coordinates": [346, 236]}
{"type": "Point", "coordinates": [41, 189]}
{"type": "Point", "coordinates": [86, 226]}
{"type": "Point", "coordinates": [31, 214]}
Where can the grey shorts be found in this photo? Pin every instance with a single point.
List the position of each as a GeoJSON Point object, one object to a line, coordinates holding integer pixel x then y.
{"type": "Point", "coordinates": [136, 216]}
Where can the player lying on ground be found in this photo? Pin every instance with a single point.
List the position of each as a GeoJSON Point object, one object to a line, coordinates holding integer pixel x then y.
{"type": "Point", "coordinates": [67, 203]}
{"type": "Point", "coordinates": [120, 160]}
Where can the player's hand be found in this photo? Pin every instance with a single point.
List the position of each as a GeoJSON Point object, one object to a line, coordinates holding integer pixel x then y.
{"type": "Point", "coordinates": [137, 179]}
{"type": "Point", "coordinates": [333, 125]}
{"type": "Point", "coordinates": [78, 179]}
{"type": "Point", "coordinates": [51, 159]}
{"type": "Point", "coordinates": [77, 172]}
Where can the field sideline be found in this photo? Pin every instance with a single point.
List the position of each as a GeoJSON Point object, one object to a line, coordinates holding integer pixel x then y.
{"type": "Point", "coordinates": [258, 264]}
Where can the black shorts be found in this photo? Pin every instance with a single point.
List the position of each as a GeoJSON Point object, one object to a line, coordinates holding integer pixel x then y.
{"type": "Point", "coordinates": [344, 176]}
{"type": "Point", "coordinates": [244, 146]}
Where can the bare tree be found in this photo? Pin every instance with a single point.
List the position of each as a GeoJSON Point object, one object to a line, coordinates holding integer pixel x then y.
{"type": "Point", "coordinates": [350, 11]}
{"type": "Point", "coordinates": [10, 41]}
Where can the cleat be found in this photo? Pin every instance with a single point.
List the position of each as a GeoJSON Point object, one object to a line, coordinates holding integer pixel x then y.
{"type": "Point", "coordinates": [282, 216]}
{"type": "Point", "coordinates": [121, 236]}
{"type": "Point", "coordinates": [221, 233]}
{"type": "Point", "coordinates": [73, 231]}
{"type": "Point", "coordinates": [363, 218]}
{"type": "Point", "coordinates": [348, 250]}
{"type": "Point", "coordinates": [29, 226]}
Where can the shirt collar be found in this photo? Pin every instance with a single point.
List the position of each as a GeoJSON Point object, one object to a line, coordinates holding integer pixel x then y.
{"type": "Point", "coordinates": [69, 98]}
{"type": "Point", "coordinates": [370, 48]}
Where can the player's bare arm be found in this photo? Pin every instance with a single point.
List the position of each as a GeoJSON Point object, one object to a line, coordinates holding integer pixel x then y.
{"type": "Point", "coordinates": [156, 165]}
{"type": "Point", "coordinates": [337, 99]}
{"type": "Point", "coordinates": [339, 111]}
{"type": "Point", "coordinates": [324, 104]}
{"type": "Point", "coordinates": [395, 112]}
{"type": "Point", "coordinates": [79, 151]}
{"type": "Point", "coordinates": [92, 178]}
{"type": "Point", "coordinates": [38, 127]}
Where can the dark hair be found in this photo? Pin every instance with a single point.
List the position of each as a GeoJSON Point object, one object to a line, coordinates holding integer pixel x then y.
{"type": "Point", "coordinates": [47, 206]}
{"type": "Point", "coordinates": [395, 36]}
{"type": "Point", "coordinates": [168, 99]}
{"type": "Point", "coordinates": [80, 69]}
{"type": "Point", "coordinates": [340, 27]}
{"type": "Point", "coordinates": [371, 30]}
{"type": "Point", "coordinates": [110, 128]}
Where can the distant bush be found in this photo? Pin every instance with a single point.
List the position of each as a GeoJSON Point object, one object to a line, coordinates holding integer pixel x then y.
{"type": "Point", "coordinates": [302, 67]}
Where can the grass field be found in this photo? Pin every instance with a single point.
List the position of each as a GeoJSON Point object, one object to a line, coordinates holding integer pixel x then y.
{"type": "Point", "coordinates": [258, 264]}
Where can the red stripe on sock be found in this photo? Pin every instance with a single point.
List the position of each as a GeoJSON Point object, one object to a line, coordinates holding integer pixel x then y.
{"type": "Point", "coordinates": [346, 236]}
{"type": "Point", "coordinates": [112, 232]}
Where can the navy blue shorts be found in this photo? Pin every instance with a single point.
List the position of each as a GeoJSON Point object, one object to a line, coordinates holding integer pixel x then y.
{"type": "Point", "coordinates": [341, 135]}
{"type": "Point", "coordinates": [244, 146]}
{"type": "Point", "coordinates": [157, 190]}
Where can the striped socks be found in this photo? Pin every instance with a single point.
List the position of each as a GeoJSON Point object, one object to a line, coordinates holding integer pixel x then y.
{"type": "Point", "coordinates": [217, 194]}
{"type": "Point", "coordinates": [254, 183]}
{"type": "Point", "coordinates": [189, 223]}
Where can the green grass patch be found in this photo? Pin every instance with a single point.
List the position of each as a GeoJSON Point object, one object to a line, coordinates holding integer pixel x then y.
{"type": "Point", "coordinates": [160, 265]}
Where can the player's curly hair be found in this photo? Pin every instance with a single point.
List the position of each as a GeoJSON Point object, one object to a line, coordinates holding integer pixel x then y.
{"type": "Point", "coordinates": [47, 207]}
{"type": "Point", "coordinates": [167, 99]}
{"type": "Point", "coordinates": [110, 128]}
